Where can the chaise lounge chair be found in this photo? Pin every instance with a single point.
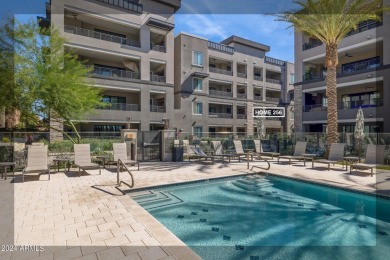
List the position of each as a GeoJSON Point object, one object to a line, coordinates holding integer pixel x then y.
{"type": "Point", "coordinates": [375, 155]}
{"type": "Point", "coordinates": [82, 158]}
{"type": "Point", "coordinates": [300, 149]}
{"type": "Point", "coordinates": [239, 150]}
{"type": "Point", "coordinates": [336, 154]}
{"type": "Point", "coordinates": [259, 150]}
{"type": "Point", "coordinates": [37, 160]}
{"type": "Point", "coordinates": [120, 153]}
{"type": "Point", "coordinates": [199, 153]}
{"type": "Point", "coordinates": [217, 145]}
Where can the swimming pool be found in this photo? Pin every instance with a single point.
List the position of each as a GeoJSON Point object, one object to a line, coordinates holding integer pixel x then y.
{"type": "Point", "coordinates": [269, 217]}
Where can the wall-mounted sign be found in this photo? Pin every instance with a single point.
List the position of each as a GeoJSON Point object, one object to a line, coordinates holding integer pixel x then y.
{"type": "Point", "coordinates": [269, 112]}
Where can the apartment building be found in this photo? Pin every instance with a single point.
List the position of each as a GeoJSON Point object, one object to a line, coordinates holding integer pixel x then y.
{"type": "Point", "coordinates": [130, 46]}
{"type": "Point", "coordinates": [218, 84]}
{"type": "Point", "coordinates": [363, 79]}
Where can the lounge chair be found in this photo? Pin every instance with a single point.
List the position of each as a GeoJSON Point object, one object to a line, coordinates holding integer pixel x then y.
{"type": "Point", "coordinates": [259, 150]}
{"type": "Point", "coordinates": [239, 150]}
{"type": "Point", "coordinates": [120, 153]}
{"type": "Point", "coordinates": [336, 154]}
{"type": "Point", "coordinates": [375, 155]}
{"type": "Point", "coordinates": [37, 160]}
{"type": "Point", "coordinates": [217, 146]}
{"type": "Point", "coordinates": [199, 153]}
{"type": "Point", "coordinates": [82, 158]}
{"type": "Point", "coordinates": [300, 148]}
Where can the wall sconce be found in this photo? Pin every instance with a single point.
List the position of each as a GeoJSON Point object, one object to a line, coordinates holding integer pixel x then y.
{"type": "Point", "coordinates": [369, 76]}
{"type": "Point", "coordinates": [194, 123]}
{"type": "Point", "coordinates": [194, 99]}
{"type": "Point", "coordinates": [184, 45]}
{"type": "Point", "coordinates": [368, 37]}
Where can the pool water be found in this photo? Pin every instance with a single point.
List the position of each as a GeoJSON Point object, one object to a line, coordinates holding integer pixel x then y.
{"type": "Point", "coordinates": [257, 217]}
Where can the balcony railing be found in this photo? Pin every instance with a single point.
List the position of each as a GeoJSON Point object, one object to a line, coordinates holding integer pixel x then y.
{"type": "Point", "coordinates": [221, 71]}
{"type": "Point", "coordinates": [156, 47]}
{"type": "Point", "coordinates": [126, 4]}
{"type": "Point", "coordinates": [220, 93]}
{"type": "Point", "coordinates": [221, 47]}
{"type": "Point", "coordinates": [274, 61]}
{"type": "Point", "coordinates": [120, 106]}
{"type": "Point", "coordinates": [310, 45]}
{"type": "Point", "coordinates": [241, 116]}
{"type": "Point", "coordinates": [274, 81]}
{"type": "Point", "coordinates": [221, 115]}
{"type": "Point", "coordinates": [103, 71]}
{"type": "Point", "coordinates": [101, 36]}
{"type": "Point", "coordinates": [361, 65]}
{"type": "Point", "coordinates": [259, 78]}
{"type": "Point", "coordinates": [157, 78]}
{"type": "Point", "coordinates": [374, 102]}
{"type": "Point", "coordinates": [272, 99]}
{"type": "Point", "coordinates": [258, 98]}
{"type": "Point", "coordinates": [239, 95]}
{"type": "Point", "coordinates": [158, 109]}
{"type": "Point", "coordinates": [241, 75]}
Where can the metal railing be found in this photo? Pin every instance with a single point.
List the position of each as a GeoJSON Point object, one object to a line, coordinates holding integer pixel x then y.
{"type": "Point", "coordinates": [274, 81]}
{"type": "Point", "coordinates": [221, 47]}
{"type": "Point", "coordinates": [258, 98]}
{"type": "Point", "coordinates": [241, 116]}
{"type": "Point", "coordinates": [120, 166]}
{"type": "Point", "coordinates": [101, 36]}
{"type": "Point", "coordinates": [374, 102]}
{"type": "Point", "coordinates": [156, 47]}
{"type": "Point", "coordinates": [243, 96]}
{"type": "Point", "coordinates": [361, 65]}
{"type": "Point", "coordinates": [220, 93]}
{"type": "Point", "coordinates": [315, 107]}
{"type": "Point", "coordinates": [259, 78]}
{"type": "Point", "coordinates": [103, 71]}
{"type": "Point", "coordinates": [272, 99]}
{"type": "Point", "coordinates": [221, 71]}
{"type": "Point", "coordinates": [158, 109]}
{"type": "Point", "coordinates": [274, 61]}
{"type": "Point", "coordinates": [221, 115]}
{"type": "Point", "coordinates": [310, 45]}
{"type": "Point", "coordinates": [126, 4]}
{"type": "Point", "coordinates": [121, 106]}
{"type": "Point", "coordinates": [241, 75]}
{"type": "Point", "coordinates": [157, 78]}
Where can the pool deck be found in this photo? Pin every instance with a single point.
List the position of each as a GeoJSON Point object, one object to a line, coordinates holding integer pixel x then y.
{"type": "Point", "coordinates": [87, 217]}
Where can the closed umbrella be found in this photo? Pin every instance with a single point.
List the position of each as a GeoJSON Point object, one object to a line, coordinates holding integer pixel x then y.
{"type": "Point", "coordinates": [359, 128]}
{"type": "Point", "coordinates": [260, 128]}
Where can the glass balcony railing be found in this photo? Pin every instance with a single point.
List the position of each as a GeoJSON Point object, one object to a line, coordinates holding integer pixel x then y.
{"type": "Point", "coordinates": [221, 115]}
{"type": "Point", "coordinates": [101, 36]}
{"type": "Point", "coordinates": [221, 71]}
{"type": "Point", "coordinates": [121, 106]}
{"type": "Point", "coordinates": [158, 109]}
{"type": "Point", "coordinates": [241, 75]}
{"type": "Point", "coordinates": [241, 116]}
{"type": "Point", "coordinates": [156, 47]}
{"type": "Point", "coordinates": [126, 4]}
{"type": "Point", "coordinates": [220, 93]}
{"type": "Point", "coordinates": [103, 71]}
{"type": "Point", "coordinates": [258, 78]}
{"type": "Point", "coordinates": [157, 78]}
{"type": "Point", "coordinates": [258, 98]}
{"type": "Point", "coordinates": [373, 102]}
{"type": "Point", "coordinates": [274, 81]}
{"type": "Point", "coordinates": [239, 95]}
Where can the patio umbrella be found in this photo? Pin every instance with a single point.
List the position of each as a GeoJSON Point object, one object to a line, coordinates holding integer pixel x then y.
{"type": "Point", "coordinates": [359, 128]}
{"type": "Point", "coordinates": [260, 128]}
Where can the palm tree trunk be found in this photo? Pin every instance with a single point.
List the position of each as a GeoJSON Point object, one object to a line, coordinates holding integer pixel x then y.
{"type": "Point", "coordinates": [331, 93]}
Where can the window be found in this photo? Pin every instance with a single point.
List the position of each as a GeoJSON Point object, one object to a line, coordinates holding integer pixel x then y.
{"type": "Point", "coordinates": [197, 84]}
{"type": "Point", "coordinates": [197, 58]}
{"type": "Point", "coordinates": [107, 128]}
{"type": "Point", "coordinates": [198, 131]}
{"type": "Point", "coordinates": [198, 108]}
{"type": "Point", "coordinates": [292, 78]}
{"type": "Point", "coordinates": [114, 100]}
{"type": "Point", "coordinates": [369, 99]}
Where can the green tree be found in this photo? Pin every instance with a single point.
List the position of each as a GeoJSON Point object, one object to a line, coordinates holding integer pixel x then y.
{"type": "Point", "coordinates": [330, 21]}
{"type": "Point", "coordinates": [50, 82]}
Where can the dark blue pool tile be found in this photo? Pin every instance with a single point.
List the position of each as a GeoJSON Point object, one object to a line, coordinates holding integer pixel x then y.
{"type": "Point", "coordinates": [288, 200]}
{"type": "Point", "coordinates": [383, 233]}
{"type": "Point", "coordinates": [313, 209]}
{"type": "Point", "coordinates": [203, 220]}
{"type": "Point", "coordinates": [268, 193]}
{"type": "Point", "coordinates": [205, 210]}
{"type": "Point", "coordinates": [362, 226]}
{"type": "Point", "coordinates": [344, 219]}
{"type": "Point", "coordinates": [227, 238]}
{"type": "Point", "coordinates": [215, 229]}
{"type": "Point", "coordinates": [180, 216]}
{"type": "Point", "coordinates": [239, 247]}
{"type": "Point", "coordinates": [277, 198]}
{"type": "Point", "coordinates": [274, 192]}
{"type": "Point", "coordinates": [254, 257]}
{"type": "Point", "coordinates": [300, 205]}
{"type": "Point", "coordinates": [260, 195]}
{"type": "Point", "coordinates": [328, 214]}
{"type": "Point", "coordinates": [194, 213]}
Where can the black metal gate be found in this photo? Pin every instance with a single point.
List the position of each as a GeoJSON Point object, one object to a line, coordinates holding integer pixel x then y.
{"type": "Point", "coordinates": [149, 145]}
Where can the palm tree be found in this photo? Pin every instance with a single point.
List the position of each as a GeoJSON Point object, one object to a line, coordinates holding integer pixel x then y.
{"type": "Point", "coordinates": [330, 21]}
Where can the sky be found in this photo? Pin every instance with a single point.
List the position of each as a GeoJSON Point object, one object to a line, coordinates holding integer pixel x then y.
{"type": "Point", "coordinates": [215, 20]}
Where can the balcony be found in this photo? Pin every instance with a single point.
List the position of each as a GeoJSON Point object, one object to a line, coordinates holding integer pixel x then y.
{"type": "Point", "coordinates": [241, 116]}
{"type": "Point", "coordinates": [220, 115]}
{"type": "Point", "coordinates": [220, 93]}
{"type": "Point", "coordinates": [258, 78]}
{"type": "Point", "coordinates": [274, 61]}
{"type": "Point", "coordinates": [157, 78]}
{"type": "Point", "coordinates": [157, 109]}
{"type": "Point", "coordinates": [156, 47]}
{"type": "Point", "coordinates": [121, 106]}
{"type": "Point", "coordinates": [241, 75]}
{"type": "Point", "coordinates": [101, 36]}
{"type": "Point", "coordinates": [274, 81]}
{"type": "Point", "coordinates": [260, 98]}
{"type": "Point", "coordinates": [239, 95]}
{"type": "Point", "coordinates": [220, 47]}
{"type": "Point", "coordinates": [272, 99]}
{"type": "Point", "coordinates": [115, 73]}
{"type": "Point", "coordinates": [374, 102]}
{"type": "Point", "coordinates": [125, 4]}
{"type": "Point", "coordinates": [221, 71]}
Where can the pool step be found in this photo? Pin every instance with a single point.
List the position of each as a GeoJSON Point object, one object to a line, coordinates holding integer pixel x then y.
{"type": "Point", "coordinates": [160, 199]}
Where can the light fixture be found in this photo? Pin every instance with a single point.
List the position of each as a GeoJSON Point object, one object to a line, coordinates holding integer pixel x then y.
{"type": "Point", "coordinates": [368, 37]}
{"type": "Point", "coordinates": [369, 76]}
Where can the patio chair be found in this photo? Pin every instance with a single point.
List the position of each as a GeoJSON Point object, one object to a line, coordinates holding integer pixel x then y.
{"type": "Point", "coordinates": [239, 150]}
{"type": "Point", "coordinates": [120, 153]}
{"type": "Point", "coordinates": [300, 148]}
{"type": "Point", "coordinates": [37, 161]}
{"type": "Point", "coordinates": [259, 149]}
{"type": "Point", "coordinates": [82, 158]}
{"type": "Point", "coordinates": [217, 146]}
{"type": "Point", "coordinates": [336, 154]}
{"type": "Point", "coordinates": [199, 153]}
{"type": "Point", "coordinates": [375, 155]}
